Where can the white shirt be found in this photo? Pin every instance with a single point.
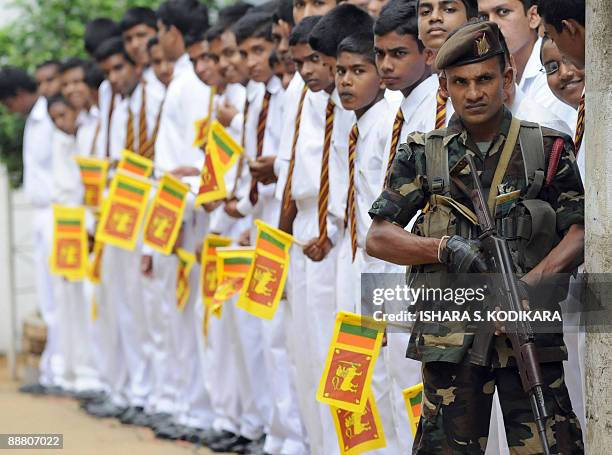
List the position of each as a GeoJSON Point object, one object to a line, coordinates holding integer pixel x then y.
{"type": "Point", "coordinates": [67, 186]}
{"type": "Point", "coordinates": [186, 102]}
{"type": "Point", "coordinates": [373, 127]}
{"type": "Point", "coordinates": [535, 86]}
{"type": "Point", "coordinates": [309, 154]}
{"type": "Point", "coordinates": [525, 108]}
{"type": "Point", "coordinates": [88, 123]}
{"type": "Point", "coordinates": [419, 109]}
{"type": "Point", "coordinates": [37, 155]}
{"type": "Point", "coordinates": [292, 101]}
{"type": "Point", "coordinates": [267, 207]}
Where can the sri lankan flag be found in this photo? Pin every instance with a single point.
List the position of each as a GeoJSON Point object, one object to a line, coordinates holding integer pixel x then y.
{"type": "Point", "coordinates": [136, 164]}
{"type": "Point", "coordinates": [212, 182]}
{"type": "Point", "coordinates": [201, 131]}
{"type": "Point", "coordinates": [93, 175]}
{"type": "Point", "coordinates": [69, 252]}
{"type": "Point", "coordinates": [163, 221]}
{"type": "Point", "coordinates": [350, 362]}
{"type": "Point", "coordinates": [266, 278]}
{"type": "Point", "coordinates": [233, 265]}
{"type": "Point", "coordinates": [208, 272]}
{"type": "Point", "coordinates": [413, 396]}
{"type": "Point", "coordinates": [359, 432]}
{"type": "Point", "coordinates": [123, 211]}
{"type": "Point", "coordinates": [183, 289]}
{"type": "Point", "coordinates": [222, 147]}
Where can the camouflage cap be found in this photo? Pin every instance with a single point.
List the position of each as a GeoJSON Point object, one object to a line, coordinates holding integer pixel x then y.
{"type": "Point", "coordinates": [471, 43]}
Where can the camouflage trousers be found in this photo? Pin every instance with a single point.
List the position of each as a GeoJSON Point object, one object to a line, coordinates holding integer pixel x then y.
{"type": "Point", "coordinates": [457, 404]}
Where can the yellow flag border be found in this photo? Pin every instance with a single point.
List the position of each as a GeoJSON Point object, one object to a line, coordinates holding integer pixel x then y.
{"type": "Point", "coordinates": [351, 318]}
{"type": "Point", "coordinates": [73, 212]}
{"type": "Point", "coordinates": [129, 244]}
{"type": "Point", "coordinates": [125, 154]}
{"type": "Point", "coordinates": [222, 241]}
{"type": "Point", "coordinates": [407, 394]}
{"type": "Point", "coordinates": [221, 193]}
{"type": "Point", "coordinates": [223, 253]}
{"type": "Point", "coordinates": [86, 160]}
{"type": "Point", "coordinates": [217, 127]}
{"type": "Point", "coordinates": [379, 443]}
{"type": "Point", "coordinates": [190, 260]}
{"type": "Point", "coordinates": [167, 250]}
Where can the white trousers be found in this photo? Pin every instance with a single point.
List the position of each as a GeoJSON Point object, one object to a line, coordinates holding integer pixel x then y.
{"type": "Point", "coordinates": [51, 362]}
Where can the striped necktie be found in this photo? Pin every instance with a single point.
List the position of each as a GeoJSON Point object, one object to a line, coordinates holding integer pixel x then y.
{"type": "Point", "coordinates": [261, 130]}
{"type": "Point", "coordinates": [351, 205]}
{"type": "Point", "coordinates": [324, 185]}
{"type": "Point", "coordinates": [142, 121]}
{"type": "Point", "coordinates": [241, 159]}
{"type": "Point", "coordinates": [580, 125]}
{"type": "Point", "coordinates": [94, 142]}
{"type": "Point", "coordinates": [441, 100]}
{"type": "Point", "coordinates": [129, 135]}
{"type": "Point", "coordinates": [397, 130]}
{"type": "Point", "coordinates": [296, 134]}
{"type": "Point", "coordinates": [109, 119]}
{"type": "Point", "coordinates": [149, 151]}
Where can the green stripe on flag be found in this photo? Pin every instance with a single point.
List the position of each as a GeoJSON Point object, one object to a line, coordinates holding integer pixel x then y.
{"type": "Point", "coordinates": [130, 188]}
{"type": "Point", "coordinates": [69, 222]}
{"type": "Point", "coordinates": [85, 167]}
{"type": "Point", "coordinates": [233, 261]}
{"type": "Point", "coordinates": [417, 399]}
{"type": "Point", "coordinates": [177, 194]}
{"type": "Point", "coordinates": [144, 167]}
{"type": "Point", "coordinates": [273, 240]}
{"type": "Point", "coordinates": [359, 331]}
{"type": "Point", "coordinates": [221, 143]}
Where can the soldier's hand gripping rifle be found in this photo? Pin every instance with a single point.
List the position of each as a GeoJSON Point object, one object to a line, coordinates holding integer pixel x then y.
{"type": "Point", "coordinates": [505, 291]}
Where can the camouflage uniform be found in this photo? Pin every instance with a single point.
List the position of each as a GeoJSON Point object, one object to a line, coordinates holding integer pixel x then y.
{"type": "Point", "coordinates": [457, 399]}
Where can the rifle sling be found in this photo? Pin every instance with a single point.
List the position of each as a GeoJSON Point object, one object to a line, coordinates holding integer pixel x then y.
{"type": "Point", "coordinates": [504, 160]}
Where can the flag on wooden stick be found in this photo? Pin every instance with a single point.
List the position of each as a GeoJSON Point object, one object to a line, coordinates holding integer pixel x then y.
{"type": "Point", "coordinates": [265, 281]}
{"type": "Point", "coordinates": [359, 432]}
{"type": "Point", "coordinates": [350, 362]}
{"type": "Point", "coordinates": [163, 221]}
{"type": "Point", "coordinates": [69, 252]}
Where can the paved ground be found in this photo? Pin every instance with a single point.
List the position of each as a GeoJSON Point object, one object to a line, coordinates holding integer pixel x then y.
{"type": "Point", "coordinates": [83, 435]}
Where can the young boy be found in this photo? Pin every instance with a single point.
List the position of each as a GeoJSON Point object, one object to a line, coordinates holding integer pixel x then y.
{"type": "Point", "coordinates": [80, 374]}
{"type": "Point", "coordinates": [316, 181]}
{"type": "Point", "coordinates": [438, 19]}
{"type": "Point", "coordinates": [18, 95]}
{"type": "Point", "coordinates": [305, 8]}
{"type": "Point", "coordinates": [138, 25]}
{"type": "Point", "coordinates": [47, 78]}
{"type": "Point", "coordinates": [162, 67]}
{"type": "Point", "coordinates": [360, 90]}
{"type": "Point", "coordinates": [519, 21]}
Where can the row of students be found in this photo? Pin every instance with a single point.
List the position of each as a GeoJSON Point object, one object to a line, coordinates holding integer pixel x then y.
{"type": "Point", "coordinates": [320, 143]}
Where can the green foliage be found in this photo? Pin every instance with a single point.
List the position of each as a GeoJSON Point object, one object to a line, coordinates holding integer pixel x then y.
{"type": "Point", "coordinates": [45, 29]}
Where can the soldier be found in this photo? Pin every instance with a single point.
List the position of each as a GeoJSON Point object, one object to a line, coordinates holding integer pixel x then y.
{"type": "Point", "coordinates": [458, 393]}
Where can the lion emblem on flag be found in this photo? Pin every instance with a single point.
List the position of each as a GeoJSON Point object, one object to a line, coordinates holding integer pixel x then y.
{"type": "Point", "coordinates": [344, 376]}
{"type": "Point", "coordinates": [356, 423]}
{"type": "Point", "coordinates": [263, 277]}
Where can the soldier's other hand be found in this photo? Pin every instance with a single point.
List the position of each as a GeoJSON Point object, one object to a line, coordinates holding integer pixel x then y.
{"type": "Point", "coordinates": [262, 170]}
{"type": "Point", "coordinates": [146, 265]}
{"type": "Point", "coordinates": [226, 113]}
{"type": "Point", "coordinates": [211, 206]}
{"type": "Point", "coordinates": [245, 238]}
{"type": "Point", "coordinates": [185, 171]}
{"type": "Point", "coordinates": [463, 256]}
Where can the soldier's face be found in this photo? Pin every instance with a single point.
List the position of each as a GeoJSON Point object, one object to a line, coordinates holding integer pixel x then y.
{"type": "Point", "coordinates": [438, 18]}
{"type": "Point", "coordinates": [477, 90]}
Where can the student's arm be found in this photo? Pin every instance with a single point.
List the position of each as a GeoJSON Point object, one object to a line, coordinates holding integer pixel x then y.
{"type": "Point", "coordinates": [287, 216]}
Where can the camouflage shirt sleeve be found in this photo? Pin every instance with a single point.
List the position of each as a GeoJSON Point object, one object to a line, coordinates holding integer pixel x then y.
{"type": "Point", "coordinates": [565, 192]}
{"type": "Point", "coordinates": [406, 191]}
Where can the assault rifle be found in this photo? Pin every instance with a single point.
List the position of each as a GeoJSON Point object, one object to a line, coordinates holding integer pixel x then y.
{"type": "Point", "coordinates": [505, 292]}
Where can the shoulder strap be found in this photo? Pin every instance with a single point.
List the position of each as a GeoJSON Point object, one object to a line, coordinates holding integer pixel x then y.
{"type": "Point", "coordinates": [532, 148]}
{"type": "Point", "coordinates": [504, 160]}
{"type": "Point", "coordinates": [437, 163]}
